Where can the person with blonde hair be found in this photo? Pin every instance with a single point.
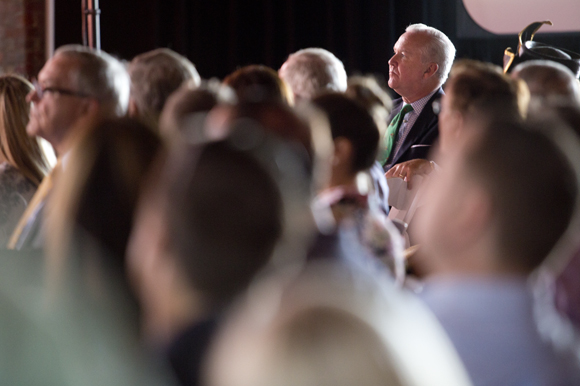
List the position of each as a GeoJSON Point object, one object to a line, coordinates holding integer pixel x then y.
{"type": "Point", "coordinates": [22, 161]}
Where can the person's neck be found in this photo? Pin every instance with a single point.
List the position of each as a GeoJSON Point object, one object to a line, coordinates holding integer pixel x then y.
{"type": "Point", "coordinates": [164, 323]}
{"type": "Point", "coordinates": [476, 265]}
{"type": "Point", "coordinates": [342, 179]}
{"type": "Point", "coordinates": [412, 98]}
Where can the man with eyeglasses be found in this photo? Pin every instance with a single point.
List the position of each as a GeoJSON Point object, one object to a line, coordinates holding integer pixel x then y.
{"type": "Point", "coordinates": [76, 89]}
{"type": "Point", "coordinates": [421, 62]}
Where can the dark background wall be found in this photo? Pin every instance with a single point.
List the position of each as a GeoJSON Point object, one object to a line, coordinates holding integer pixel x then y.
{"type": "Point", "coordinates": [221, 35]}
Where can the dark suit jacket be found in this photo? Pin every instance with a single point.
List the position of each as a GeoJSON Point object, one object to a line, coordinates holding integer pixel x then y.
{"type": "Point", "coordinates": [422, 135]}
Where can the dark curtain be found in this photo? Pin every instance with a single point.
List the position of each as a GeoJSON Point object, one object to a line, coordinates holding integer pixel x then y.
{"type": "Point", "coordinates": [221, 35]}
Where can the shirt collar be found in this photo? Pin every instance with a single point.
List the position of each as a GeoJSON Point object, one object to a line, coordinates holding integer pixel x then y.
{"type": "Point", "coordinates": [420, 104]}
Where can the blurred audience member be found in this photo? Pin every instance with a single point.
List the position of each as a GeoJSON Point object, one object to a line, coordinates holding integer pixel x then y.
{"type": "Point", "coordinates": [332, 326]}
{"type": "Point", "coordinates": [367, 91]}
{"type": "Point", "coordinates": [475, 91]}
{"type": "Point", "coordinates": [549, 81]}
{"type": "Point", "coordinates": [88, 221]}
{"type": "Point", "coordinates": [311, 71]}
{"type": "Point", "coordinates": [257, 83]}
{"type": "Point", "coordinates": [487, 224]}
{"type": "Point", "coordinates": [206, 225]}
{"type": "Point", "coordinates": [90, 216]}
{"type": "Point", "coordinates": [300, 168]}
{"type": "Point", "coordinates": [77, 88]}
{"type": "Point", "coordinates": [155, 75]}
{"type": "Point", "coordinates": [23, 164]}
{"type": "Point", "coordinates": [189, 100]}
{"type": "Point", "coordinates": [349, 193]}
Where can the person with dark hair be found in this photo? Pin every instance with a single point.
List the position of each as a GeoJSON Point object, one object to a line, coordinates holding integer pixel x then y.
{"type": "Point", "coordinates": [155, 75]}
{"type": "Point", "coordinates": [189, 100]}
{"type": "Point", "coordinates": [207, 224]}
{"type": "Point", "coordinates": [487, 223]}
{"type": "Point", "coordinates": [90, 216]}
{"type": "Point", "coordinates": [367, 91]}
{"type": "Point", "coordinates": [257, 83]}
{"type": "Point", "coordinates": [356, 139]}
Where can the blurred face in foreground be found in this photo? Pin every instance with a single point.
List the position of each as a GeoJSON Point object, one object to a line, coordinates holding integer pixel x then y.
{"type": "Point", "coordinates": [450, 122]}
{"type": "Point", "coordinates": [454, 222]}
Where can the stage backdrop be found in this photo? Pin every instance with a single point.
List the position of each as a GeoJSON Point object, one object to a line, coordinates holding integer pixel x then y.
{"type": "Point", "coordinates": [221, 35]}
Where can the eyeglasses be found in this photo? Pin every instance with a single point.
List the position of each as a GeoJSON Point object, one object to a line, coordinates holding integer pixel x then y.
{"type": "Point", "coordinates": [436, 105]}
{"type": "Point", "coordinates": [39, 91]}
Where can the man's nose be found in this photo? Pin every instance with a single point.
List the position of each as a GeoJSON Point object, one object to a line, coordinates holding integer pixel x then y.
{"type": "Point", "coordinates": [392, 60]}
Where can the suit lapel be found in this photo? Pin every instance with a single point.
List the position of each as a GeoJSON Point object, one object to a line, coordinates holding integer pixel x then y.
{"type": "Point", "coordinates": [422, 121]}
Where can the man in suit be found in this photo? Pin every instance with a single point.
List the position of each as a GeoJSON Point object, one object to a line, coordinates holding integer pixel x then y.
{"type": "Point", "coordinates": [76, 89]}
{"type": "Point", "coordinates": [419, 67]}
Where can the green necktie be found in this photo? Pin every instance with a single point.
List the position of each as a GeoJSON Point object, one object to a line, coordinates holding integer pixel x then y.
{"type": "Point", "coordinates": [391, 134]}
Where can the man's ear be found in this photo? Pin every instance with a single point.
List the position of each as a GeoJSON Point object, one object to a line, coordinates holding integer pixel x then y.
{"type": "Point", "coordinates": [431, 70]}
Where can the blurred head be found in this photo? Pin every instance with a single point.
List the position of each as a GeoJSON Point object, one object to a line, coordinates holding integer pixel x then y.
{"type": "Point", "coordinates": [327, 327]}
{"type": "Point", "coordinates": [155, 75]}
{"type": "Point", "coordinates": [77, 88]}
{"type": "Point", "coordinates": [549, 81]}
{"type": "Point", "coordinates": [189, 100]}
{"type": "Point", "coordinates": [91, 212]}
{"type": "Point", "coordinates": [355, 134]}
{"type": "Point", "coordinates": [367, 91]}
{"type": "Point", "coordinates": [257, 83]}
{"type": "Point", "coordinates": [479, 90]}
{"type": "Point", "coordinates": [301, 166]}
{"type": "Point", "coordinates": [18, 149]}
{"type": "Point", "coordinates": [422, 60]}
{"type": "Point", "coordinates": [311, 71]}
{"type": "Point", "coordinates": [207, 224]}
{"type": "Point", "coordinates": [274, 118]}
{"type": "Point", "coordinates": [489, 209]}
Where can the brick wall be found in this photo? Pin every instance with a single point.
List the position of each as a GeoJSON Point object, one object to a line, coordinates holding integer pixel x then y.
{"type": "Point", "coordinates": [22, 36]}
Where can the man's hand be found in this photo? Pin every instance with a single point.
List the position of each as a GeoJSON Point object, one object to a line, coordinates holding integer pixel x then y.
{"type": "Point", "coordinates": [406, 170]}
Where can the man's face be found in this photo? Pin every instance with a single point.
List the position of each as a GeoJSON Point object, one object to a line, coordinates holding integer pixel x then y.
{"type": "Point", "coordinates": [406, 67]}
{"type": "Point", "coordinates": [53, 115]}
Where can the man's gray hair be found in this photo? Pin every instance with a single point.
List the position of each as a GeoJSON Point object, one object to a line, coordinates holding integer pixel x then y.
{"type": "Point", "coordinates": [311, 71]}
{"type": "Point", "coordinates": [101, 76]}
{"type": "Point", "coordinates": [440, 50]}
{"type": "Point", "coordinates": [549, 80]}
{"type": "Point", "coordinates": [155, 75]}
